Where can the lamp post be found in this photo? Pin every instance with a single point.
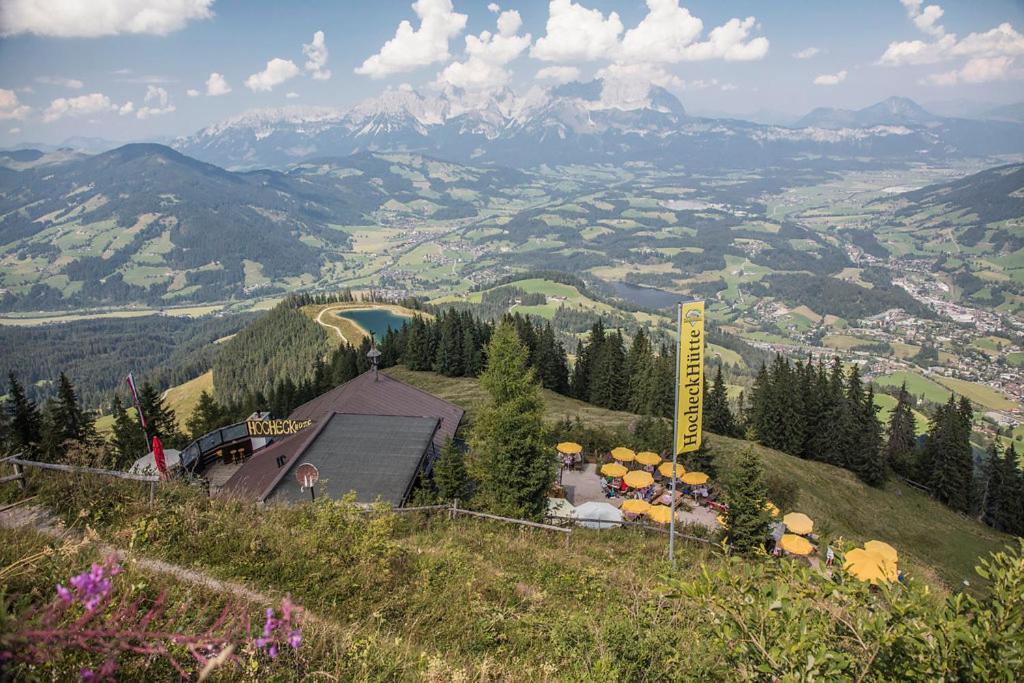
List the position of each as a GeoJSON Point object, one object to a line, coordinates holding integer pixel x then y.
{"type": "Point", "coordinates": [374, 355]}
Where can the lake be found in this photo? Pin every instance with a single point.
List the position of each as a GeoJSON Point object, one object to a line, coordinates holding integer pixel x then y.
{"type": "Point", "coordinates": [646, 297]}
{"type": "Point", "coordinates": [374, 320]}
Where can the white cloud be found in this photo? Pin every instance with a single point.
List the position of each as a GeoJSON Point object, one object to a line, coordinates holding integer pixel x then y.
{"type": "Point", "coordinates": [411, 48]}
{"type": "Point", "coordinates": [126, 108]}
{"type": "Point", "coordinates": [11, 107]}
{"type": "Point", "coordinates": [217, 85]}
{"type": "Point", "coordinates": [292, 95]}
{"type": "Point", "coordinates": [316, 57]}
{"type": "Point", "coordinates": [192, 92]}
{"type": "Point", "coordinates": [575, 33]}
{"type": "Point", "coordinates": [156, 103]}
{"type": "Point", "coordinates": [494, 8]}
{"type": "Point", "coordinates": [277, 72]}
{"type": "Point", "coordinates": [558, 74]}
{"type": "Point", "coordinates": [83, 105]}
{"type": "Point", "coordinates": [989, 55]}
{"type": "Point", "coordinates": [152, 79]}
{"type": "Point", "coordinates": [831, 79]}
{"type": "Point", "coordinates": [90, 19]}
{"type": "Point", "coordinates": [806, 53]}
{"type": "Point", "coordinates": [638, 77]}
{"type": "Point", "coordinates": [663, 35]}
{"type": "Point", "coordinates": [487, 56]}
{"type": "Point", "coordinates": [729, 42]}
{"type": "Point", "coordinates": [978, 70]}
{"type": "Point", "coordinates": [72, 83]}
{"type": "Point", "coordinates": [14, 131]}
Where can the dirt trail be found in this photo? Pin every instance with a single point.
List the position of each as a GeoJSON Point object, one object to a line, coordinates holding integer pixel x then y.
{"type": "Point", "coordinates": [40, 519]}
{"type": "Point", "coordinates": [320, 321]}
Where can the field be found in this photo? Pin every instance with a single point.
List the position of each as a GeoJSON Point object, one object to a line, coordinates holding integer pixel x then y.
{"type": "Point", "coordinates": [182, 399]}
{"type": "Point", "coordinates": [886, 403]}
{"type": "Point", "coordinates": [916, 385]}
{"type": "Point", "coordinates": [980, 394]}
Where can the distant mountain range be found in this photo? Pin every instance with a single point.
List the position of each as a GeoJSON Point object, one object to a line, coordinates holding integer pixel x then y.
{"type": "Point", "coordinates": [144, 223]}
{"type": "Point", "coordinates": [595, 122]}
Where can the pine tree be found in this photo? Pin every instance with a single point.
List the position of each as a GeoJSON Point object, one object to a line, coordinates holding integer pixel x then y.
{"type": "Point", "coordinates": [450, 355]}
{"type": "Point", "coordinates": [65, 421]}
{"type": "Point", "coordinates": [990, 503]}
{"type": "Point", "coordinates": [160, 419]}
{"type": "Point", "coordinates": [417, 347]}
{"type": "Point", "coordinates": [207, 416]}
{"type": "Point", "coordinates": [25, 420]}
{"type": "Point", "coordinates": [126, 439]}
{"type": "Point", "coordinates": [514, 465]}
{"type": "Point", "coordinates": [867, 460]}
{"type": "Point", "coordinates": [851, 419]}
{"type": "Point", "coordinates": [717, 415]}
{"type": "Point", "coordinates": [901, 436]}
{"type": "Point", "coordinates": [609, 384]}
{"type": "Point", "coordinates": [551, 364]}
{"type": "Point", "coordinates": [947, 457]}
{"type": "Point", "coordinates": [746, 494]}
{"type": "Point", "coordinates": [450, 475]}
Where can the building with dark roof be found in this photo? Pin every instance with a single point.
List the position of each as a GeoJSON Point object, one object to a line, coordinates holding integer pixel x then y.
{"type": "Point", "coordinates": [371, 435]}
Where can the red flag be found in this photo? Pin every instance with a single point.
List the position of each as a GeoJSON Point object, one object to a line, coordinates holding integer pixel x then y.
{"type": "Point", "coordinates": [158, 456]}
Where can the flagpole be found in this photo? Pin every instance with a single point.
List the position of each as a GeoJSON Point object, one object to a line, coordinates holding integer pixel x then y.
{"type": "Point", "coordinates": [138, 409]}
{"type": "Point", "coordinates": [675, 438]}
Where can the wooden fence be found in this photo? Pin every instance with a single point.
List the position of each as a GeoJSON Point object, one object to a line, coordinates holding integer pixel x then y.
{"type": "Point", "coordinates": [452, 509]}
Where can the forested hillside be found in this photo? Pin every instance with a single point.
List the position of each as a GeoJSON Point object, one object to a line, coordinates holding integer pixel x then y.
{"type": "Point", "coordinates": [98, 354]}
{"type": "Point", "coordinates": [283, 345]}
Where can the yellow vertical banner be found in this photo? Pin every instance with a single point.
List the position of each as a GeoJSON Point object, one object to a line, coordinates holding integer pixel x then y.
{"type": "Point", "coordinates": [690, 378]}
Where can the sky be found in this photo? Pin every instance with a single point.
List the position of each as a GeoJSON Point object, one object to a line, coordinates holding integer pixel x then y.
{"type": "Point", "coordinates": [156, 69]}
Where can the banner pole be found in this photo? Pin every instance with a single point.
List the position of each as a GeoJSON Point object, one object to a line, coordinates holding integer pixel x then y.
{"type": "Point", "coordinates": [675, 438]}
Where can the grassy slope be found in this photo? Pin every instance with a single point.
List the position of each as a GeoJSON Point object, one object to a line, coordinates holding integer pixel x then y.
{"type": "Point", "coordinates": [938, 389]}
{"type": "Point", "coordinates": [184, 397]}
{"type": "Point", "coordinates": [939, 543]}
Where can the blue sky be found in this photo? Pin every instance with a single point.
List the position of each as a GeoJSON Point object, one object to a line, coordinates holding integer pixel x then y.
{"type": "Point", "coordinates": [127, 75]}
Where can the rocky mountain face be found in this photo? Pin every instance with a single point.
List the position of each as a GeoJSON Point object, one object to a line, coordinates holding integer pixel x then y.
{"type": "Point", "coordinates": [595, 122]}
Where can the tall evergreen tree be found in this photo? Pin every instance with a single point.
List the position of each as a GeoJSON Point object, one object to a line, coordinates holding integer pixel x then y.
{"type": "Point", "coordinates": [25, 420]}
{"type": "Point", "coordinates": [207, 416]}
{"type": "Point", "coordinates": [900, 451]}
{"type": "Point", "coordinates": [126, 439]}
{"type": "Point", "coordinates": [947, 457]}
{"type": "Point", "coordinates": [450, 476]}
{"type": "Point", "coordinates": [867, 460]}
{"type": "Point", "coordinates": [746, 494]}
{"type": "Point", "coordinates": [717, 415]}
{"type": "Point", "coordinates": [515, 467]}
{"type": "Point", "coordinates": [65, 421]}
{"type": "Point", "coordinates": [161, 419]}
{"type": "Point", "coordinates": [609, 385]}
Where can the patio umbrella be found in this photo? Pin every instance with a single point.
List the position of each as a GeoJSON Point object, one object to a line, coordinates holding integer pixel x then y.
{"type": "Point", "coordinates": [648, 458]}
{"type": "Point", "coordinates": [569, 448]}
{"type": "Point", "coordinates": [798, 523]}
{"type": "Point", "coordinates": [662, 514]}
{"type": "Point", "coordinates": [638, 479]}
{"type": "Point", "coordinates": [665, 469]}
{"type": "Point", "coordinates": [613, 469]}
{"type": "Point", "coordinates": [597, 515]}
{"type": "Point", "coordinates": [695, 478]}
{"type": "Point", "coordinates": [798, 545]}
{"type": "Point", "coordinates": [635, 506]}
{"type": "Point", "coordinates": [870, 567]}
{"type": "Point", "coordinates": [623, 454]}
{"type": "Point", "coordinates": [771, 508]}
{"type": "Point", "coordinates": [883, 550]}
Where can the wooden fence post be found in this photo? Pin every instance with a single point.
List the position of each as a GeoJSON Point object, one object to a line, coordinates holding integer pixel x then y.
{"type": "Point", "coordinates": [20, 473]}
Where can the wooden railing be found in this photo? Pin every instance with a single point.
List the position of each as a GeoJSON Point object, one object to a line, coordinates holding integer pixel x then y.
{"type": "Point", "coordinates": [20, 463]}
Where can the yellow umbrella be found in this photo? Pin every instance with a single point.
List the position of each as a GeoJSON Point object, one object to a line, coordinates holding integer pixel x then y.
{"type": "Point", "coordinates": [613, 469]}
{"type": "Point", "coordinates": [798, 523]}
{"type": "Point", "coordinates": [635, 506]}
{"type": "Point", "coordinates": [771, 508]}
{"type": "Point", "coordinates": [648, 458]}
{"type": "Point", "coordinates": [695, 478]}
{"type": "Point", "coordinates": [569, 448]}
{"type": "Point", "coordinates": [665, 469]}
{"type": "Point", "coordinates": [623, 454]}
{"type": "Point", "coordinates": [883, 550]}
{"type": "Point", "coordinates": [660, 514]}
{"type": "Point", "coordinates": [638, 479]}
{"type": "Point", "coordinates": [798, 545]}
{"type": "Point", "coordinates": [870, 567]}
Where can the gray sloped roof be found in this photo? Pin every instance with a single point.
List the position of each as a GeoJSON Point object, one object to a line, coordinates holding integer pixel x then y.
{"type": "Point", "coordinates": [377, 456]}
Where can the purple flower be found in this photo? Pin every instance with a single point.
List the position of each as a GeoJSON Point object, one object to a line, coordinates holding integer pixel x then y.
{"type": "Point", "coordinates": [273, 651]}
{"type": "Point", "coordinates": [64, 594]}
{"type": "Point", "coordinates": [295, 639]}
